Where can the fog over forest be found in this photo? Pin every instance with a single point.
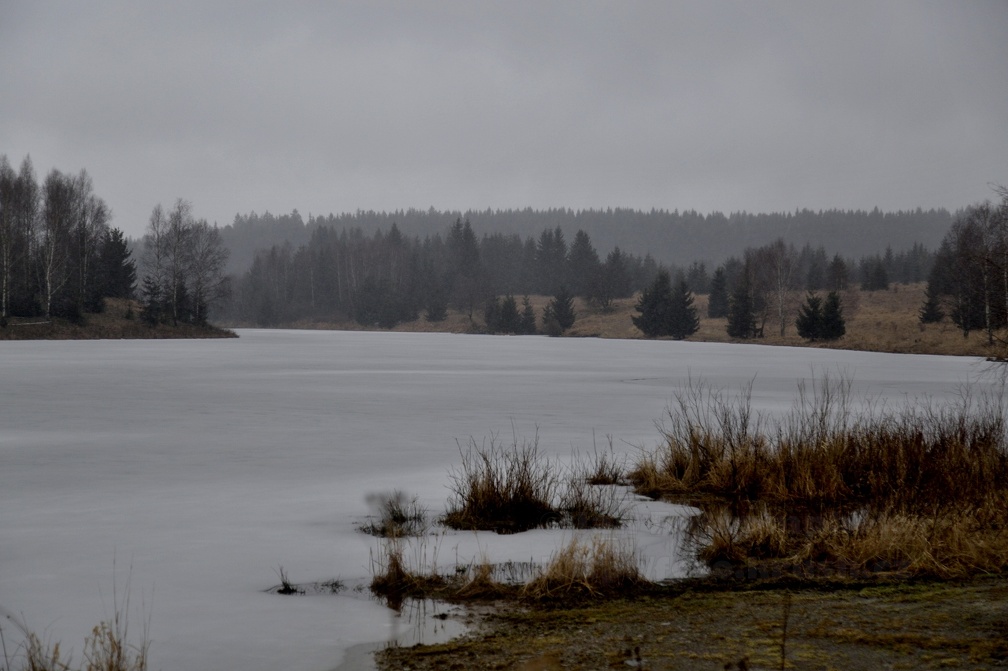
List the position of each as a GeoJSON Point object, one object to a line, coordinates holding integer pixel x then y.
{"type": "Point", "coordinates": [673, 238]}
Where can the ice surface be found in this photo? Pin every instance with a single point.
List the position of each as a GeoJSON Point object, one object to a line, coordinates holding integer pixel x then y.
{"type": "Point", "coordinates": [204, 466]}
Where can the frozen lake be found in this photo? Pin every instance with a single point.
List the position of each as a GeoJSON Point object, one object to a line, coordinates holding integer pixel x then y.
{"type": "Point", "coordinates": [207, 465]}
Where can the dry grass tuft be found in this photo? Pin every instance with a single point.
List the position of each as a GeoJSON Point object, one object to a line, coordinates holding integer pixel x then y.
{"type": "Point", "coordinates": [504, 490]}
{"type": "Point", "coordinates": [515, 489]}
{"type": "Point", "coordinates": [396, 515]}
{"type": "Point", "coordinates": [603, 568]}
{"type": "Point", "coordinates": [479, 582]}
{"type": "Point", "coordinates": [108, 648]}
{"type": "Point", "coordinates": [823, 456]}
{"type": "Point", "coordinates": [41, 656]}
{"type": "Point", "coordinates": [395, 578]}
{"type": "Point", "coordinates": [914, 490]}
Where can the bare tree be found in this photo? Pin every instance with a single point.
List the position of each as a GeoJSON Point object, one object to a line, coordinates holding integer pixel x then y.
{"type": "Point", "coordinates": [184, 264]}
{"type": "Point", "coordinates": [54, 235]}
{"type": "Point", "coordinates": [180, 224]}
{"type": "Point", "coordinates": [781, 261]}
{"type": "Point", "coordinates": [207, 261]}
{"type": "Point", "coordinates": [8, 190]}
{"type": "Point", "coordinates": [155, 241]}
{"type": "Point", "coordinates": [771, 269]}
{"type": "Point", "coordinates": [26, 222]}
{"type": "Point", "coordinates": [91, 219]}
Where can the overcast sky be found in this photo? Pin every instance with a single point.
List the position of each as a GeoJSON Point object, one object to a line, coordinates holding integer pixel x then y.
{"type": "Point", "coordinates": [339, 106]}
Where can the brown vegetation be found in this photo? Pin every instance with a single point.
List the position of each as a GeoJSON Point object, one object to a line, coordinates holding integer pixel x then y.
{"type": "Point", "coordinates": [603, 567]}
{"type": "Point", "coordinates": [120, 320]}
{"type": "Point", "coordinates": [917, 625]}
{"type": "Point", "coordinates": [517, 488]}
{"type": "Point", "coordinates": [597, 568]}
{"type": "Point", "coordinates": [109, 647]}
{"type": "Point", "coordinates": [876, 321]}
{"type": "Point", "coordinates": [823, 489]}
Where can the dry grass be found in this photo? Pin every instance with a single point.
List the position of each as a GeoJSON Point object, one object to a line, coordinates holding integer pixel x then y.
{"type": "Point", "coordinates": [949, 543]}
{"type": "Point", "coordinates": [121, 319]}
{"type": "Point", "coordinates": [918, 490]}
{"type": "Point", "coordinates": [108, 648]}
{"type": "Point", "coordinates": [824, 456]}
{"type": "Point", "coordinates": [395, 515]}
{"type": "Point", "coordinates": [605, 567]}
{"type": "Point", "coordinates": [599, 568]}
{"type": "Point", "coordinates": [41, 656]}
{"type": "Point", "coordinates": [396, 577]}
{"type": "Point", "coordinates": [503, 489]}
{"type": "Point", "coordinates": [516, 488]}
{"type": "Point", "coordinates": [877, 321]}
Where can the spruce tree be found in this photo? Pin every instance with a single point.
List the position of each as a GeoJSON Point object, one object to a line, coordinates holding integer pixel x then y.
{"type": "Point", "coordinates": [491, 315]}
{"type": "Point", "coordinates": [152, 311]}
{"type": "Point", "coordinates": [528, 318]}
{"type": "Point", "coordinates": [509, 321]}
{"type": "Point", "coordinates": [654, 306]}
{"type": "Point", "coordinates": [810, 318]}
{"type": "Point", "coordinates": [832, 325]}
{"type": "Point", "coordinates": [116, 269]}
{"type": "Point", "coordinates": [931, 312]}
{"type": "Point", "coordinates": [741, 311]}
{"type": "Point", "coordinates": [717, 302]}
{"type": "Point", "coordinates": [559, 313]}
{"type": "Point", "coordinates": [437, 307]}
{"type": "Point", "coordinates": [683, 320]}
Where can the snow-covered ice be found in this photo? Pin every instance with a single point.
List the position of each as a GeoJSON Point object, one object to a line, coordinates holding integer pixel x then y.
{"type": "Point", "coordinates": [201, 467]}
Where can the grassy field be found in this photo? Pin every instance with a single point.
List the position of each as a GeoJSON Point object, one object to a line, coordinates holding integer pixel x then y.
{"type": "Point", "coordinates": [880, 321]}
{"type": "Point", "coordinates": [120, 320]}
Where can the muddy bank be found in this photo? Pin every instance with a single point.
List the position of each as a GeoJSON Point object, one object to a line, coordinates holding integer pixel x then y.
{"type": "Point", "coordinates": [901, 626]}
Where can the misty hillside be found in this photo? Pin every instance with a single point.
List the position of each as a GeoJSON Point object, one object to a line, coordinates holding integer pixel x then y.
{"type": "Point", "coordinates": [670, 237]}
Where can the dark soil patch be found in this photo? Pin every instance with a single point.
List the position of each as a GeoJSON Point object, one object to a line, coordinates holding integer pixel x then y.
{"type": "Point", "coordinates": [897, 626]}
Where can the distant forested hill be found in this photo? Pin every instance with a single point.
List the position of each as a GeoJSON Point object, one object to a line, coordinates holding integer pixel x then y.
{"type": "Point", "coordinates": [670, 237]}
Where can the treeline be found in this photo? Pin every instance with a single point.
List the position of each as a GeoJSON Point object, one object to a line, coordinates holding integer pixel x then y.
{"type": "Point", "coordinates": [674, 238]}
{"type": "Point", "coordinates": [184, 261]}
{"type": "Point", "coordinates": [765, 286]}
{"type": "Point", "coordinates": [387, 278]}
{"type": "Point", "coordinates": [969, 279]}
{"type": "Point", "coordinates": [59, 256]}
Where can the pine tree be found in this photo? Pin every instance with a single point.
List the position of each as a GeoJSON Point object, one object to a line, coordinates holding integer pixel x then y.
{"type": "Point", "coordinates": [832, 325]}
{"type": "Point", "coordinates": [560, 310]}
{"type": "Point", "coordinates": [437, 307]}
{"type": "Point", "coordinates": [491, 315]}
{"type": "Point", "coordinates": [654, 306]}
{"type": "Point", "coordinates": [528, 318]}
{"type": "Point", "coordinates": [683, 320]}
{"type": "Point", "coordinates": [717, 302]}
{"type": "Point", "coordinates": [152, 311]}
{"type": "Point", "coordinates": [810, 318]}
{"type": "Point", "coordinates": [116, 269]}
{"type": "Point", "coordinates": [509, 321]}
{"type": "Point", "coordinates": [741, 311]}
{"type": "Point", "coordinates": [931, 312]}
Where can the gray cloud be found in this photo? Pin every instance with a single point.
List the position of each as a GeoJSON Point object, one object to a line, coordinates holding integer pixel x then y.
{"type": "Point", "coordinates": [242, 106]}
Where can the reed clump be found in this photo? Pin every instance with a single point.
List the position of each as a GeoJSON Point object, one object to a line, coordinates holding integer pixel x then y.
{"type": "Point", "coordinates": [396, 515]}
{"type": "Point", "coordinates": [509, 489]}
{"type": "Point", "coordinates": [822, 455]}
{"type": "Point", "coordinates": [109, 647]}
{"type": "Point", "coordinates": [601, 567]}
{"type": "Point", "coordinates": [915, 489]}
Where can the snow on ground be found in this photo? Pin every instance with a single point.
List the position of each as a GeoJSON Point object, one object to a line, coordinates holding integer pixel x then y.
{"type": "Point", "coordinates": [196, 469]}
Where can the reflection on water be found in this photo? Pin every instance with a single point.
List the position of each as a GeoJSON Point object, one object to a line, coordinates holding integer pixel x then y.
{"type": "Point", "coordinates": [424, 622]}
{"type": "Point", "coordinates": [416, 622]}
